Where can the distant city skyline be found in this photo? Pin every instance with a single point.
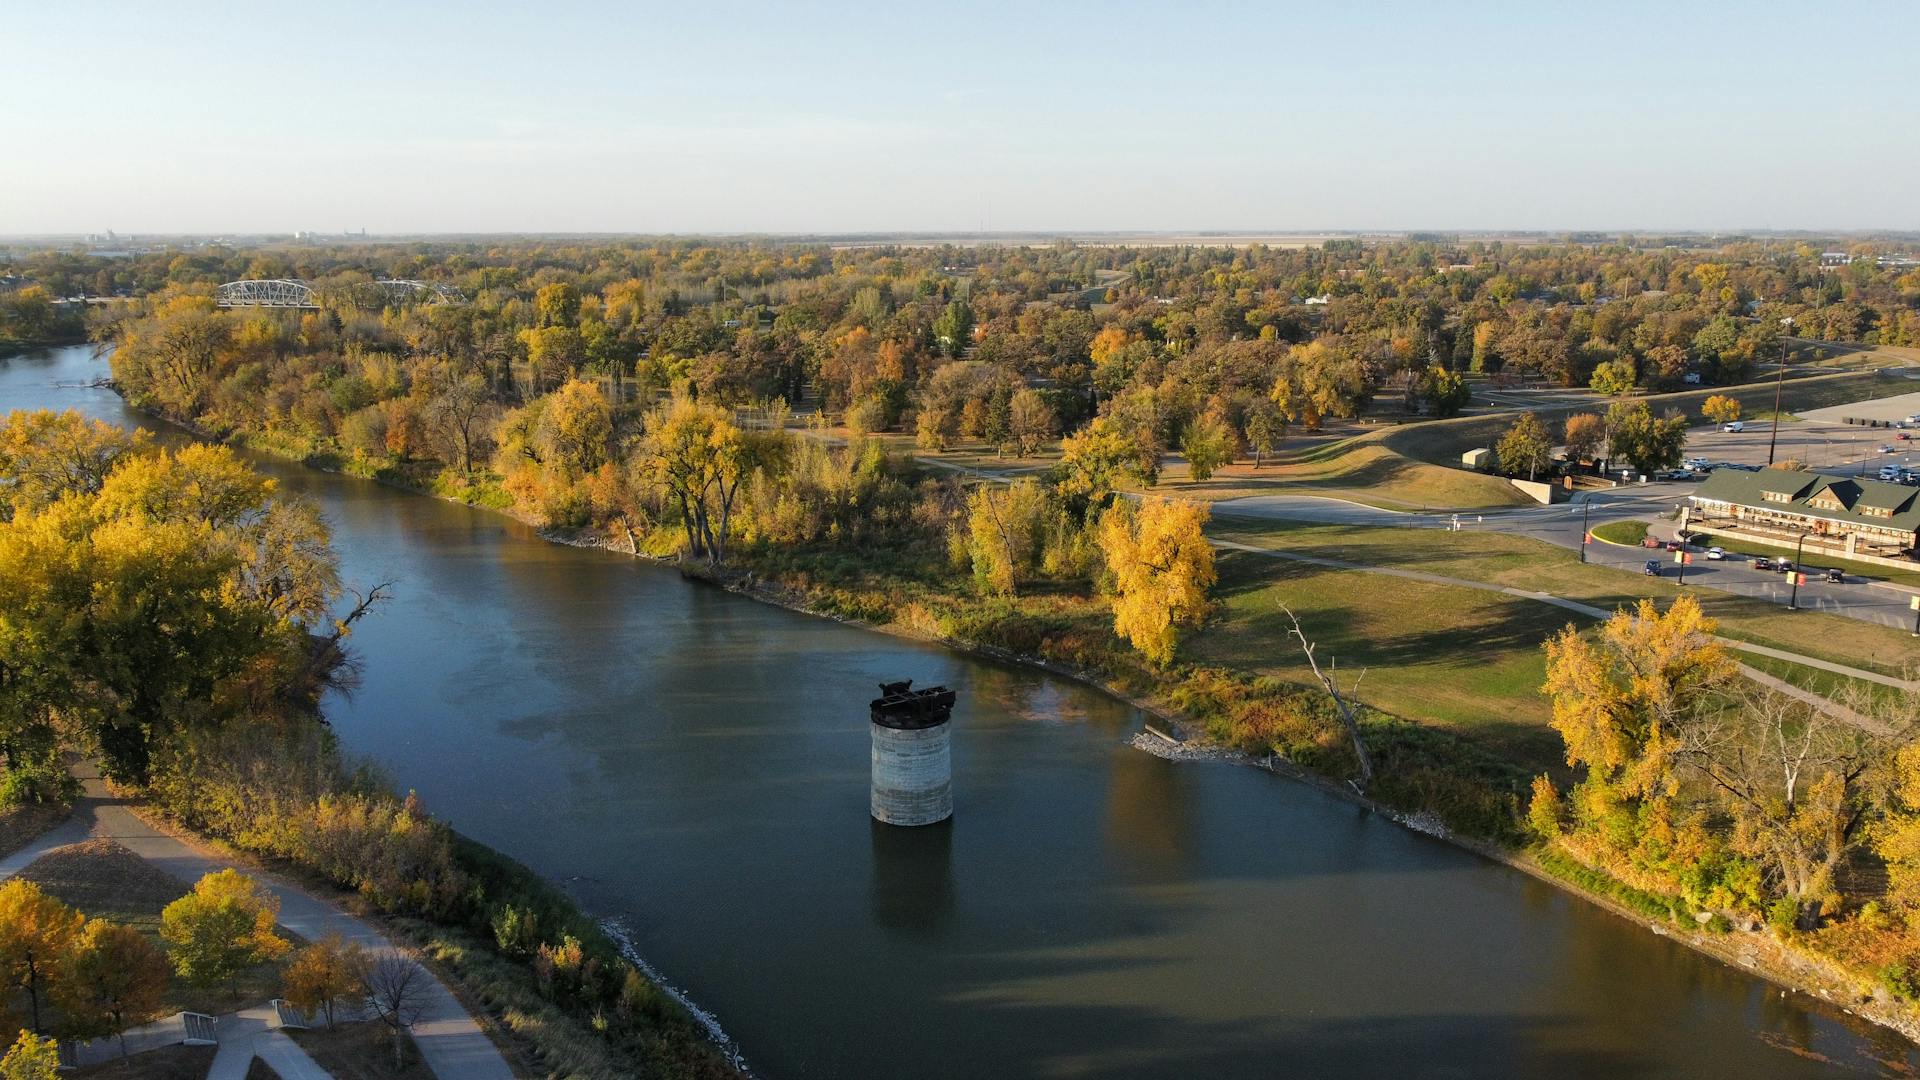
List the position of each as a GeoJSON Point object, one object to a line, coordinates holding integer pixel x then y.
{"type": "Point", "coordinates": [415, 119]}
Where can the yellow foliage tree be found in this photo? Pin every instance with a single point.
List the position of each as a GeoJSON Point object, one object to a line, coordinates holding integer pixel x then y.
{"type": "Point", "coordinates": [1619, 703]}
{"type": "Point", "coordinates": [324, 974]}
{"type": "Point", "coordinates": [37, 932]}
{"type": "Point", "coordinates": [1898, 838]}
{"type": "Point", "coordinates": [696, 453]}
{"type": "Point", "coordinates": [114, 977]}
{"type": "Point", "coordinates": [31, 1058]}
{"type": "Point", "coordinates": [223, 926]}
{"type": "Point", "coordinates": [1162, 567]}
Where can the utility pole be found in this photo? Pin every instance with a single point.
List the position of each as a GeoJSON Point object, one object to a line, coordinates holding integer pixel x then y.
{"type": "Point", "coordinates": [1799, 571]}
{"type": "Point", "coordinates": [1780, 377]}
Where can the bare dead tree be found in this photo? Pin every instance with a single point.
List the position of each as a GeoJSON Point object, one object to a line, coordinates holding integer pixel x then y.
{"type": "Point", "coordinates": [330, 663]}
{"type": "Point", "coordinates": [396, 988]}
{"type": "Point", "coordinates": [1332, 685]}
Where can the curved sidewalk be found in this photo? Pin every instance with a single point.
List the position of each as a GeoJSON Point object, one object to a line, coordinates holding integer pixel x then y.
{"type": "Point", "coordinates": [450, 1042]}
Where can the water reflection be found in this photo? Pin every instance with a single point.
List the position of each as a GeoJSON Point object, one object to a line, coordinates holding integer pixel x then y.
{"type": "Point", "coordinates": [912, 877]}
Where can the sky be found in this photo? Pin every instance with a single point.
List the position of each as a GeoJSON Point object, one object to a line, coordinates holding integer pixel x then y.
{"type": "Point", "coordinates": [407, 118]}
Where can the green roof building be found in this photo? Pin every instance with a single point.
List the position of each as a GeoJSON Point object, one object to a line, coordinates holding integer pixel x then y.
{"type": "Point", "coordinates": [1869, 516]}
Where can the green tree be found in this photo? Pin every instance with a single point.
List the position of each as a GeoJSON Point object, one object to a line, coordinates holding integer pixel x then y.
{"type": "Point", "coordinates": [1208, 444]}
{"type": "Point", "coordinates": [1613, 378]}
{"type": "Point", "coordinates": [1265, 428]}
{"type": "Point", "coordinates": [1524, 448]}
{"type": "Point", "coordinates": [224, 926]}
{"type": "Point", "coordinates": [1444, 392]}
{"type": "Point", "coordinates": [1649, 444]}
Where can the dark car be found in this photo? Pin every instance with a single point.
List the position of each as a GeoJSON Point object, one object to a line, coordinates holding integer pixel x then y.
{"type": "Point", "coordinates": [1785, 566]}
{"type": "Point", "coordinates": [1653, 567]}
{"type": "Point", "coordinates": [1836, 577]}
{"type": "Point", "coordinates": [1675, 545]}
{"type": "Point", "coordinates": [1762, 563]}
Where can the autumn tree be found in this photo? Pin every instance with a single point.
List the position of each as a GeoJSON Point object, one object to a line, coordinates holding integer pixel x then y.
{"type": "Point", "coordinates": [700, 457]}
{"type": "Point", "coordinates": [222, 927]}
{"type": "Point", "coordinates": [1586, 433]}
{"type": "Point", "coordinates": [1524, 448]}
{"type": "Point", "coordinates": [1032, 421]}
{"type": "Point", "coordinates": [31, 1058]}
{"type": "Point", "coordinates": [1097, 460]}
{"type": "Point", "coordinates": [47, 455]}
{"type": "Point", "coordinates": [1647, 443]}
{"type": "Point", "coordinates": [1209, 443]}
{"type": "Point", "coordinates": [575, 429]}
{"type": "Point", "coordinates": [113, 978]}
{"type": "Point", "coordinates": [324, 974]}
{"type": "Point", "coordinates": [1613, 377]}
{"type": "Point", "coordinates": [459, 409]}
{"type": "Point", "coordinates": [1005, 533]}
{"type": "Point", "coordinates": [1720, 409]}
{"type": "Point", "coordinates": [37, 933]}
{"type": "Point", "coordinates": [1443, 392]}
{"type": "Point", "coordinates": [1161, 566]}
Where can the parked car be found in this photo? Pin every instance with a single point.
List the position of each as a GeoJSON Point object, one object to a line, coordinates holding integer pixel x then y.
{"type": "Point", "coordinates": [1653, 567]}
{"type": "Point", "coordinates": [1889, 448]}
{"type": "Point", "coordinates": [1835, 576]}
{"type": "Point", "coordinates": [1785, 566]}
{"type": "Point", "coordinates": [1715, 554]}
{"type": "Point", "coordinates": [1902, 437]}
{"type": "Point", "coordinates": [1696, 463]}
{"type": "Point", "coordinates": [1761, 562]}
{"type": "Point", "coordinates": [1734, 425]}
{"type": "Point", "coordinates": [1890, 472]}
{"type": "Point", "coordinates": [1675, 545]}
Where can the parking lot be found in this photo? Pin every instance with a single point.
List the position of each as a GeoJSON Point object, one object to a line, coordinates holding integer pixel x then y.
{"type": "Point", "coordinates": [1821, 445]}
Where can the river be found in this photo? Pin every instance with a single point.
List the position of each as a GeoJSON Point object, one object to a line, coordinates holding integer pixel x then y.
{"type": "Point", "coordinates": [693, 765]}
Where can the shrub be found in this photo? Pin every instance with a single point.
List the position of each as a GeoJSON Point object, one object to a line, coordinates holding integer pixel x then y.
{"type": "Point", "coordinates": [38, 783]}
{"type": "Point", "coordinates": [1784, 916]}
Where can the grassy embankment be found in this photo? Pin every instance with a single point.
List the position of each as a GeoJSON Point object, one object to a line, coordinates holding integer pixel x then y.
{"type": "Point", "coordinates": [1624, 533]}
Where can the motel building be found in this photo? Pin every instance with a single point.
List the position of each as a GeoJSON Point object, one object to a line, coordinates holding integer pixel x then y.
{"type": "Point", "coordinates": [1838, 514]}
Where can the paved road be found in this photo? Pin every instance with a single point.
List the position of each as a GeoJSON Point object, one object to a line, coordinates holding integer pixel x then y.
{"type": "Point", "coordinates": [1886, 605]}
{"type": "Point", "coordinates": [453, 1045]}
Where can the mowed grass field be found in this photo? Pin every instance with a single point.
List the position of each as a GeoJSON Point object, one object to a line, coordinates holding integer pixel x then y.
{"type": "Point", "coordinates": [1458, 658]}
{"type": "Point", "coordinates": [1537, 566]}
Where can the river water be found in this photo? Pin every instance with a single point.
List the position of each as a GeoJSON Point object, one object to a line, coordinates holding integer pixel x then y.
{"type": "Point", "coordinates": [693, 765]}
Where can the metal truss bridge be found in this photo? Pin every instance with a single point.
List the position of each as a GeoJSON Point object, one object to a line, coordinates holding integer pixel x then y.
{"type": "Point", "coordinates": [292, 293]}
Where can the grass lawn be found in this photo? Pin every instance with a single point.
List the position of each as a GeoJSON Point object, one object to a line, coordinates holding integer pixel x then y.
{"type": "Point", "coordinates": [1628, 533]}
{"type": "Point", "coordinates": [1461, 659]}
{"type": "Point", "coordinates": [1361, 469]}
{"type": "Point", "coordinates": [166, 1063]}
{"type": "Point", "coordinates": [107, 881]}
{"type": "Point", "coordinates": [1537, 566]}
{"type": "Point", "coordinates": [362, 1051]}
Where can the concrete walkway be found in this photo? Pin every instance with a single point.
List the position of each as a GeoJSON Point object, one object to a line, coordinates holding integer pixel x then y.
{"type": "Point", "coordinates": [255, 1032]}
{"type": "Point", "coordinates": [1761, 677]}
{"type": "Point", "coordinates": [452, 1045]}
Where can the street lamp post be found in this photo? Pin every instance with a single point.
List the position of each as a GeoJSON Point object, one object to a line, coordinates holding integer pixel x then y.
{"type": "Point", "coordinates": [1779, 378]}
{"type": "Point", "coordinates": [1799, 571]}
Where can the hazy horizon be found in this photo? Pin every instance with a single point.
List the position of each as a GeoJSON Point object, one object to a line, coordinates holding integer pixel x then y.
{"type": "Point", "coordinates": [416, 121]}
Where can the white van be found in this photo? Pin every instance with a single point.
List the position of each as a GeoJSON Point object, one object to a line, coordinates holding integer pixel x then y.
{"type": "Point", "coordinates": [1734, 425]}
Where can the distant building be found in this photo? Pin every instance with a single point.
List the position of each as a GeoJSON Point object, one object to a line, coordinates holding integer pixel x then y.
{"type": "Point", "coordinates": [1830, 259]}
{"type": "Point", "coordinates": [1868, 516]}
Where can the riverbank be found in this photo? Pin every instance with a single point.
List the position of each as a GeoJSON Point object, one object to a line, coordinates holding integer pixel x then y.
{"type": "Point", "coordinates": [900, 606]}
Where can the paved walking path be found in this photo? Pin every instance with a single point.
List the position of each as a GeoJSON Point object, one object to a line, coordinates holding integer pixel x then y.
{"type": "Point", "coordinates": [255, 1032]}
{"type": "Point", "coordinates": [452, 1045]}
{"type": "Point", "coordinates": [1761, 677]}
